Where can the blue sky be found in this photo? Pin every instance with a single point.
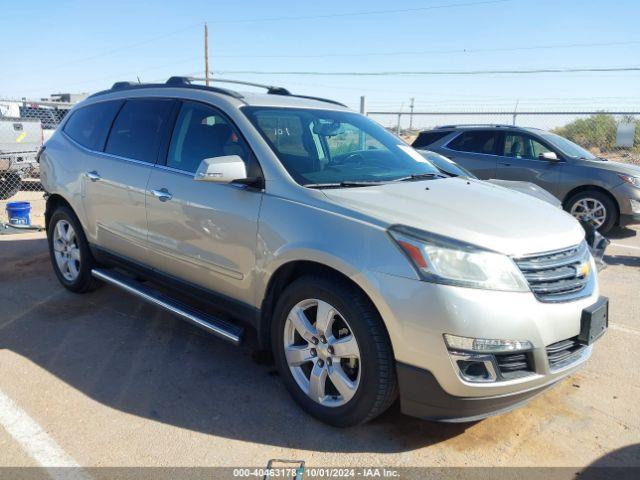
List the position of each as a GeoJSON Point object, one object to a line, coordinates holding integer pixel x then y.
{"type": "Point", "coordinates": [85, 46]}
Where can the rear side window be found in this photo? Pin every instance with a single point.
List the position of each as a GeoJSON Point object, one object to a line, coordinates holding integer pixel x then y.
{"type": "Point", "coordinates": [89, 126]}
{"type": "Point", "coordinates": [475, 142]}
{"type": "Point", "coordinates": [137, 130]}
{"type": "Point", "coordinates": [427, 138]}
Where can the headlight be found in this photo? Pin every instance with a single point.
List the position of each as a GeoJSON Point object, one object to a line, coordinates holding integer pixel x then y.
{"type": "Point", "coordinates": [443, 260]}
{"type": "Point", "coordinates": [485, 345]}
{"type": "Point", "coordinates": [635, 181]}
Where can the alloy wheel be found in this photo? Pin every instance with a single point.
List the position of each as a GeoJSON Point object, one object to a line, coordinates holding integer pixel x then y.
{"type": "Point", "coordinates": [66, 250]}
{"type": "Point", "coordinates": [590, 210]}
{"type": "Point", "coordinates": [322, 352]}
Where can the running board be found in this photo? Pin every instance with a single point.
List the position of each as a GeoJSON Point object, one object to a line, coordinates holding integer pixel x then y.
{"type": "Point", "coordinates": [220, 328]}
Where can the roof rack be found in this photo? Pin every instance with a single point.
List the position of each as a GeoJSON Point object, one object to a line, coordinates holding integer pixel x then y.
{"type": "Point", "coordinates": [181, 81]}
{"type": "Point", "coordinates": [494, 125]}
{"type": "Point", "coordinates": [272, 90]}
{"type": "Point", "coordinates": [184, 82]}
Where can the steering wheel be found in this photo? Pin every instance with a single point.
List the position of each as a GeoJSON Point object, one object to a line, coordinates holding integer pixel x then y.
{"type": "Point", "coordinates": [354, 157]}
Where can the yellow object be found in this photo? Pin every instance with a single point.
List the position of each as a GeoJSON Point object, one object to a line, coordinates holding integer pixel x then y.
{"type": "Point", "coordinates": [21, 137]}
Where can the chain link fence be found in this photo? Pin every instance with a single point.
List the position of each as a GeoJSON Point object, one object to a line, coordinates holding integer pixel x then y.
{"type": "Point", "coordinates": [24, 127]}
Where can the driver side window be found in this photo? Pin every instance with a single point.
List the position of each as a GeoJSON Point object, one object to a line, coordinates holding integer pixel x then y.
{"type": "Point", "coordinates": [523, 146]}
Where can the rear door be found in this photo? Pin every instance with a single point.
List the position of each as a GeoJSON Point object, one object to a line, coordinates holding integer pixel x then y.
{"type": "Point", "coordinates": [201, 232]}
{"type": "Point", "coordinates": [476, 151]}
{"type": "Point", "coordinates": [115, 179]}
{"type": "Point", "coordinates": [520, 159]}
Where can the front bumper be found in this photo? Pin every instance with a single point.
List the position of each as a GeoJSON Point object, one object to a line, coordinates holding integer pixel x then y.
{"type": "Point", "coordinates": [624, 194]}
{"type": "Point", "coordinates": [422, 396]}
{"type": "Point", "coordinates": [418, 313]}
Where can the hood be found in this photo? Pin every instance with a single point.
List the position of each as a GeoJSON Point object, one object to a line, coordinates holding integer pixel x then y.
{"type": "Point", "coordinates": [528, 188]}
{"type": "Point", "coordinates": [471, 211]}
{"type": "Point", "coordinates": [618, 167]}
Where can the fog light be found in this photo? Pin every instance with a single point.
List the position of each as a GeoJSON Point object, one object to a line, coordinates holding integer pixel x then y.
{"type": "Point", "coordinates": [475, 371]}
{"type": "Point", "coordinates": [635, 205]}
{"type": "Point", "coordinates": [485, 345]}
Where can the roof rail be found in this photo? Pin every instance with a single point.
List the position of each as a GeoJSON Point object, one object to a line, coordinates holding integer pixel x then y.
{"type": "Point", "coordinates": [494, 125]}
{"type": "Point", "coordinates": [187, 82]}
{"type": "Point", "coordinates": [275, 90]}
{"type": "Point", "coordinates": [184, 82]}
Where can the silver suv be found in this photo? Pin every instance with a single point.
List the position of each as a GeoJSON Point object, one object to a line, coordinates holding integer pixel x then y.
{"type": "Point", "coordinates": [365, 272]}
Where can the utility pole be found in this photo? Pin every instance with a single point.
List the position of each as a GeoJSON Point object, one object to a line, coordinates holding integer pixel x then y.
{"type": "Point", "coordinates": [515, 111]}
{"type": "Point", "coordinates": [411, 114]}
{"type": "Point", "coordinates": [363, 111]}
{"type": "Point", "coordinates": [206, 55]}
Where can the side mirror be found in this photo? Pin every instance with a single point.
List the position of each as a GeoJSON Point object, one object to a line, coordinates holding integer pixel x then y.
{"type": "Point", "coordinates": [549, 156]}
{"type": "Point", "coordinates": [225, 169]}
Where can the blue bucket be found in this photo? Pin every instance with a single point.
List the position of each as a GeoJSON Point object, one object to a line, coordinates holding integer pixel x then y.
{"type": "Point", "coordinates": [19, 213]}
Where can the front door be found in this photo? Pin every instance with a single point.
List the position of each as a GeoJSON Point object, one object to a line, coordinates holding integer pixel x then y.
{"type": "Point", "coordinates": [521, 160]}
{"type": "Point", "coordinates": [202, 232]}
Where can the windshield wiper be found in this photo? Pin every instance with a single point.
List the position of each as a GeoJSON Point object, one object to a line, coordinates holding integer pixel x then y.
{"type": "Point", "coordinates": [345, 184]}
{"type": "Point", "coordinates": [420, 176]}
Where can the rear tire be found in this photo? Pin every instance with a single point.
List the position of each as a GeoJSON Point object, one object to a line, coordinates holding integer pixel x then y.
{"type": "Point", "coordinates": [69, 251]}
{"type": "Point", "coordinates": [9, 185]}
{"type": "Point", "coordinates": [594, 207]}
{"type": "Point", "coordinates": [351, 347]}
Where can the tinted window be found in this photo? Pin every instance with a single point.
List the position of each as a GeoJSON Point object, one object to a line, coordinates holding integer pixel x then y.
{"type": "Point", "coordinates": [136, 131]}
{"type": "Point", "coordinates": [522, 146]}
{"type": "Point", "coordinates": [427, 138]}
{"type": "Point", "coordinates": [475, 142]}
{"type": "Point", "coordinates": [89, 125]}
{"type": "Point", "coordinates": [201, 132]}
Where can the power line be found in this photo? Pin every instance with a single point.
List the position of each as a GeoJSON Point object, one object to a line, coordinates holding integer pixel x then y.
{"type": "Point", "coordinates": [437, 72]}
{"type": "Point", "coordinates": [447, 52]}
{"type": "Point", "coordinates": [365, 12]}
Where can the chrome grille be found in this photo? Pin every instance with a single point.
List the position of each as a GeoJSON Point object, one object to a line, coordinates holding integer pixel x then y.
{"type": "Point", "coordinates": [557, 276]}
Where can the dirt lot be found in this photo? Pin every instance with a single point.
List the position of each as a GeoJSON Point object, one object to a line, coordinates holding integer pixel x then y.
{"type": "Point", "coordinates": [106, 380]}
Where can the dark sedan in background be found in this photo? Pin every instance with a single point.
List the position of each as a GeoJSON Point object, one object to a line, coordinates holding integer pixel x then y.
{"type": "Point", "coordinates": [592, 189]}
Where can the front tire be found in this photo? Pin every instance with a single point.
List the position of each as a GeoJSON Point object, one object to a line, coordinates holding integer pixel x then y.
{"type": "Point", "coordinates": [69, 251]}
{"type": "Point", "coordinates": [333, 352]}
{"type": "Point", "coordinates": [593, 207]}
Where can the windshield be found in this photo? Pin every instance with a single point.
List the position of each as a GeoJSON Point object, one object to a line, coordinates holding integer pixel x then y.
{"type": "Point", "coordinates": [336, 148]}
{"type": "Point", "coordinates": [567, 146]}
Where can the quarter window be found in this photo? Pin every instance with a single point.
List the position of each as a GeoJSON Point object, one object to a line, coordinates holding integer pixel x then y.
{"type": "Point", "coordinates": [201, 132]}
{"type": "Point", "coordinates": [137, 129]}
{"type": "Point", "coordinates": [89, 125]}
{"type": "Point", "coordinates": [475, 142]}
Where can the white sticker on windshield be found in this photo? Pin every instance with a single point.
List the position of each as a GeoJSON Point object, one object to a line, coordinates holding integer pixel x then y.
{"type": "Point", "coordinates": [412, 153]}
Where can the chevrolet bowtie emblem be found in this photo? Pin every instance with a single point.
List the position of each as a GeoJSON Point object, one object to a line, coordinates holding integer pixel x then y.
{"type": "Point", "coordinates": [583, 269]}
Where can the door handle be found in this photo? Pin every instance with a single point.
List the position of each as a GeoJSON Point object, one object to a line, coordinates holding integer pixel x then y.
{"type": "Point", "coordinates": [506, 164]}
{"type": "Point", "coordinates": [163, 194]}
{"type": "Point", "coordinates": [93, 176]}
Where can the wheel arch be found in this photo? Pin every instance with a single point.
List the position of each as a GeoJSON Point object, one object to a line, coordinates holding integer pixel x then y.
{"type": "Point", "coordinates": [588, 188]}
{"type": "Point", "coordinates": [286, 274]}
{"type": "Point", "coordinates": [54, 201]}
